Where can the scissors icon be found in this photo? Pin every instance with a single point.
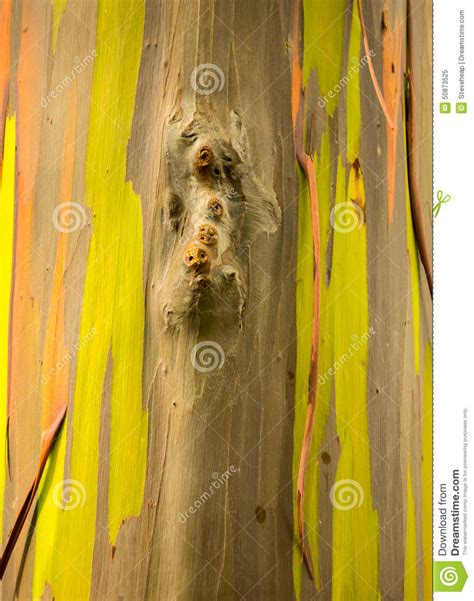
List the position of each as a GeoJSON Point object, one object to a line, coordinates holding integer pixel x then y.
{"type": "Point", "coordinates": [441, 201]}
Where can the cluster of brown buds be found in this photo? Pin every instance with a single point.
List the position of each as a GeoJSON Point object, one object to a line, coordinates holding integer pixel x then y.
{"type": "Point", "coordinates": [203, 248]}
{"type": "Point", "coordinates": [199, 253]}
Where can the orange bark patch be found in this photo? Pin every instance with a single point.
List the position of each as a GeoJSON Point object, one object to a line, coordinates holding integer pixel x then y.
{"type": "Point", "coordinates": [296, 74]}
{"type": "Point", "coordinates": [29, 76]}
{"type": "Point", "coordinates": [55, 371]}
{"type": "Point", "coordinates": [392, 88]}
{"type": "Point", "coordinates": [23, 375]}
{"type": "Point", "coordinates": [55, 382]}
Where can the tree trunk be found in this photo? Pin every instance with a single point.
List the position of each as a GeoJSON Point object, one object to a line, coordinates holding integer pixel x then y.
{"type": "Point", "coordinates": [156, 267]}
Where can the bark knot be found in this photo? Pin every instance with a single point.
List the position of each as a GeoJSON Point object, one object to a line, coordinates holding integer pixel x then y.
{"type": "Point", "coordinates": [217, 206]}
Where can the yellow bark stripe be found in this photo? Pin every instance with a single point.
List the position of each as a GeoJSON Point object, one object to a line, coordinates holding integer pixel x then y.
{"type": "Point", "coordinates": [355, 522]}
{"type": "Point", "coordinates": [353, 88]}
{"type": "Point", "coordinates": [326, 359]}
{"type": "Point", "coordinates": [410, 582]}
{"type": "Point", "coordinates": [59, 6]}
{"type": "Point", "coordinates": [113, 308]}
{"type": "Point", "coordinates": [323, 47]}
{"type": "Point", "coordinates": [304, 316]}
{"type": "Point", "coordinates": [324, 28]}
{"type": "Point", "coordinates": [7, 202]}
{"type": "Point", "coordinates": [304, 319]}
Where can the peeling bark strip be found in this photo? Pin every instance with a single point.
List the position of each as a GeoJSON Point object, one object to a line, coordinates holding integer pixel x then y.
{"type": "Point", "coordinates": [415, 197]}
{"type": "Point", "coordinates": [306, 164]}
{"type": "Point", "coordinates": [368, 53]}
{"type": "Point", "coordinates": [48, 438]}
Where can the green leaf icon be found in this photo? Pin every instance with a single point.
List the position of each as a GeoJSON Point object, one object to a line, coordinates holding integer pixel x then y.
{"type": "Point", "coordinates": [449, 576]}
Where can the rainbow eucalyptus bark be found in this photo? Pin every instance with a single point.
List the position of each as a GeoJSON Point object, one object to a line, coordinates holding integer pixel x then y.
{"type": "Point", "coordinates": [215, 147]}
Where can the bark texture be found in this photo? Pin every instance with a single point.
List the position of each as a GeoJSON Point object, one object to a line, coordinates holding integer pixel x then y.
{"type": "Point", "coordinates": [180, 301]}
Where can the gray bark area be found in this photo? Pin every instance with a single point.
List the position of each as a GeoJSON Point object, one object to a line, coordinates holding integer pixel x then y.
{"type": "Point", "coordinates": [239, 416]}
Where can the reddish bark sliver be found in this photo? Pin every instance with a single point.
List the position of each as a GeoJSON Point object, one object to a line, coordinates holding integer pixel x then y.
{"type": "Point", "coordinates": [48, 438]}
{"type": "Point", "coordinates": [414, 188]}
{"type": "Point", "coordinates": [306, 164]}
{"type": "Point", "coordinates": [373, 76]}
